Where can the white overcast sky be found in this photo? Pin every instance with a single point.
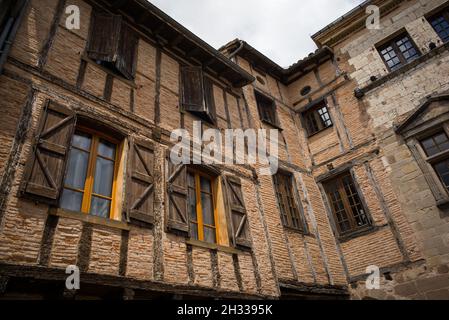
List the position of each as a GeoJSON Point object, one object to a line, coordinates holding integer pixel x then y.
{"type": "Point", "coordinates": [280, 29]}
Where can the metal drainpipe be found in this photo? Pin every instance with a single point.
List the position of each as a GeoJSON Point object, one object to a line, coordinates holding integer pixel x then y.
{"type": "Point", "coordinates": [232, 55]}
{"type": "Point", "coordinates": [12, 34]}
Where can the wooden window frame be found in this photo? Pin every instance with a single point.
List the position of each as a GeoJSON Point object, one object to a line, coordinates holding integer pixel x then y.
{"type": "Point", "coordinates": [199, 210]}
{"type": "Point", "coordinates": [90, 175]}
{"type": "Point", "coordinates": [443, 12]}
{"type": "Point", "coordinates": [287, 217]}
{"type": "Point", "coordinates": [354, 228]}
{"type": "Point", "coordinates": [272, 118]}
{"type": "Point", "coordinates": [312, 114]}
{"type": "Point", "coordinates": [392, 42]}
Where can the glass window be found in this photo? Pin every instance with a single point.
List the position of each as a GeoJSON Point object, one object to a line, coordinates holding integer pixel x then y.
{"type": "Point", "coordinates": [201, 207]}
{"type": "Point", "coordinates": [399, 52]}
{"type": "Point", "coordinates": [289, 210]}
{"type": "Point", "coordinates": [317, 119]}
{"type": "Point", "coordinates": [440, 23]}
{"type": "Point", "coordinates": [349, 212]}
{"type": "Point", "coordinates": [436, 148]}
{"type": "Point", "coordinates": [88, 186]}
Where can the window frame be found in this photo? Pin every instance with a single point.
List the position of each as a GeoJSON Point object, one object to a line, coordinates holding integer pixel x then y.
{"type": "Point", "coordinates": [87, 192]}
{"type": "Point", "coordinates": [392, 42]}
{"type": "Point", "coordinates": [272, 110]}
{"type": "Point", "coordinates": [441, 12]}
{"type": "Point", "coordinates": [354, 228]}
{"type": "Point", "coordinates": [199, 212]}
{"type": "Point", "coordinates": [314, 112]}
{"type": "Point", "coordinates": [430, 161]}
{"type": "Point", "coordinates": [287, 217]}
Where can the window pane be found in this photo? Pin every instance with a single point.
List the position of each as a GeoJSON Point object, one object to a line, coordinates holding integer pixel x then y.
{"type": "Point", "coordinates": [104, 175]}
{"type": "Point", "coordinates": [71, 200]}
{"type": "Point", "coordinates": [82, 141]}
{"type": "Point", "coordinates": [192, 204]}
{"type": "Point", "coordinates": [100, 207]}
{"type": "Point", "coordinates": [106, 149]}
{"type": "Point", "coordinates": [442, 169]}
{"type": "Point", "coordinates": [194, 231]}
{"type": "Point", "coordinates": [210, 235]}
{"type": "Point", "coordinates": [77, 169]}
{"type": "Point", "coordinates": [191, 180]}
{"type": "Point", "coordinates": [208, 211]}
{"type": "Point", "coordinates": [206, 185]}
{"type": "Point", "coordinates": [441, 26]}
{"type": "Point", "coordinates": [435, 144]}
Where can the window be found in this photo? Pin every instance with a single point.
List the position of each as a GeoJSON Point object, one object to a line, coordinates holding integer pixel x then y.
{"type": "Point", "coordinates": [290, 213]}
{"type": "Point", "coordinates": [440, 22]}
{"type": "Point", "coordinates": [436, 149]}
{"type": "Point", "coordinates": [202, 214]}
{"type": "Point", "coordinates": [10, 16]}
{"type": "Point", "coordinates": [398, 52]}
{"type": "Point", "coordinates": [197, 93]}
{"type": "Point", "coordinates": [90, 177]}
{"type": "Point", "coordinates": [317, 119]}
{"type": "Point", "coordinates": [267, 109]}
{"type": "Point", "coordinates": [349, 212]}
{"type": "Point", "coordinates": [113, 44]}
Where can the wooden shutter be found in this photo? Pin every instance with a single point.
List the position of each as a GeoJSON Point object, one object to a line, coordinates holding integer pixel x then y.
{"type": "Point", "coordinates": [46, 170]}
{"type": "Point", "coordinates": [104, 37]}
{"type": "Point", "coordinates": [192, 89]}
{"type": "Point", "coordinates": [237, 212]}
{"type": "Point", "coordinates": [140, 182]}
{"type": "Point", "coordinates": [177, 220]}
{"type": "Point", "coordinates": [210, 99]}
{"type": "Point", "coordinates": [126, 62]}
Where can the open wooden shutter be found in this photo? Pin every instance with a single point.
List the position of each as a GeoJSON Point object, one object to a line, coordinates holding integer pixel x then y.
{"type": "Point", "coordinates": [46, 171]}
{"type": "Point", "coordinates": [126, 62]}
{"type": "Point", "coordinates": [237, 213]}
{"type": "Point", "coordinates": [177, 220]}
{"type": "Point", "coordinates": [192, 89]}
{"type": "Point", "coordinates": [140, 182]}
{"type": "Point", "coordinates": [104, 37]}
{"type": "Point", "coordinates": [210, 99]}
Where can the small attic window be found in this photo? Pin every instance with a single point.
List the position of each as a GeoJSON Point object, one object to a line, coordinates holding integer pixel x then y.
{"type": "Point", "coordinates": [260, 80]}
{"type": "Point", "coordinates": [306, 90]}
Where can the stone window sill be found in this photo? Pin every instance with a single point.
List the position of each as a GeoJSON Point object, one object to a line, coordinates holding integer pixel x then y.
{"type": "Point", "coordinates": [90, 219]}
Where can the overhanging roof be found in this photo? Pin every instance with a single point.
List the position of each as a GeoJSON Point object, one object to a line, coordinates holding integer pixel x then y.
{"type": "Point", "coordinates": [261, 62]}
{"type": "Point", "coordinates": [351, 22]}
{"type": "Point", "coordinates": [172, 35]}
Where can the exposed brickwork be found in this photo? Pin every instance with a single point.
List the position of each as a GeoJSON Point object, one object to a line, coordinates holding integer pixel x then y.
{"type": "Point", "coordinates": [409, 236]}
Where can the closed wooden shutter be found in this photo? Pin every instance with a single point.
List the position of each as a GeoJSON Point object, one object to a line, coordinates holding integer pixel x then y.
{"type": "Point", "coordinates": [192, 89]}
{"type": "Point", "coordinates": [46, 170]}
{"type": "Point", "coordinates": [210, 99]}
{"type": "Point", "coordinates": [104, 37]}
{"type": "Point", "coordinates": [126, 62]}
{"type": "Point", "coordinates": [140, 182]}
{"type": "Point", "coordinates": [237, 212]}
{"type": "Point", "coordinates": [177, 220]}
